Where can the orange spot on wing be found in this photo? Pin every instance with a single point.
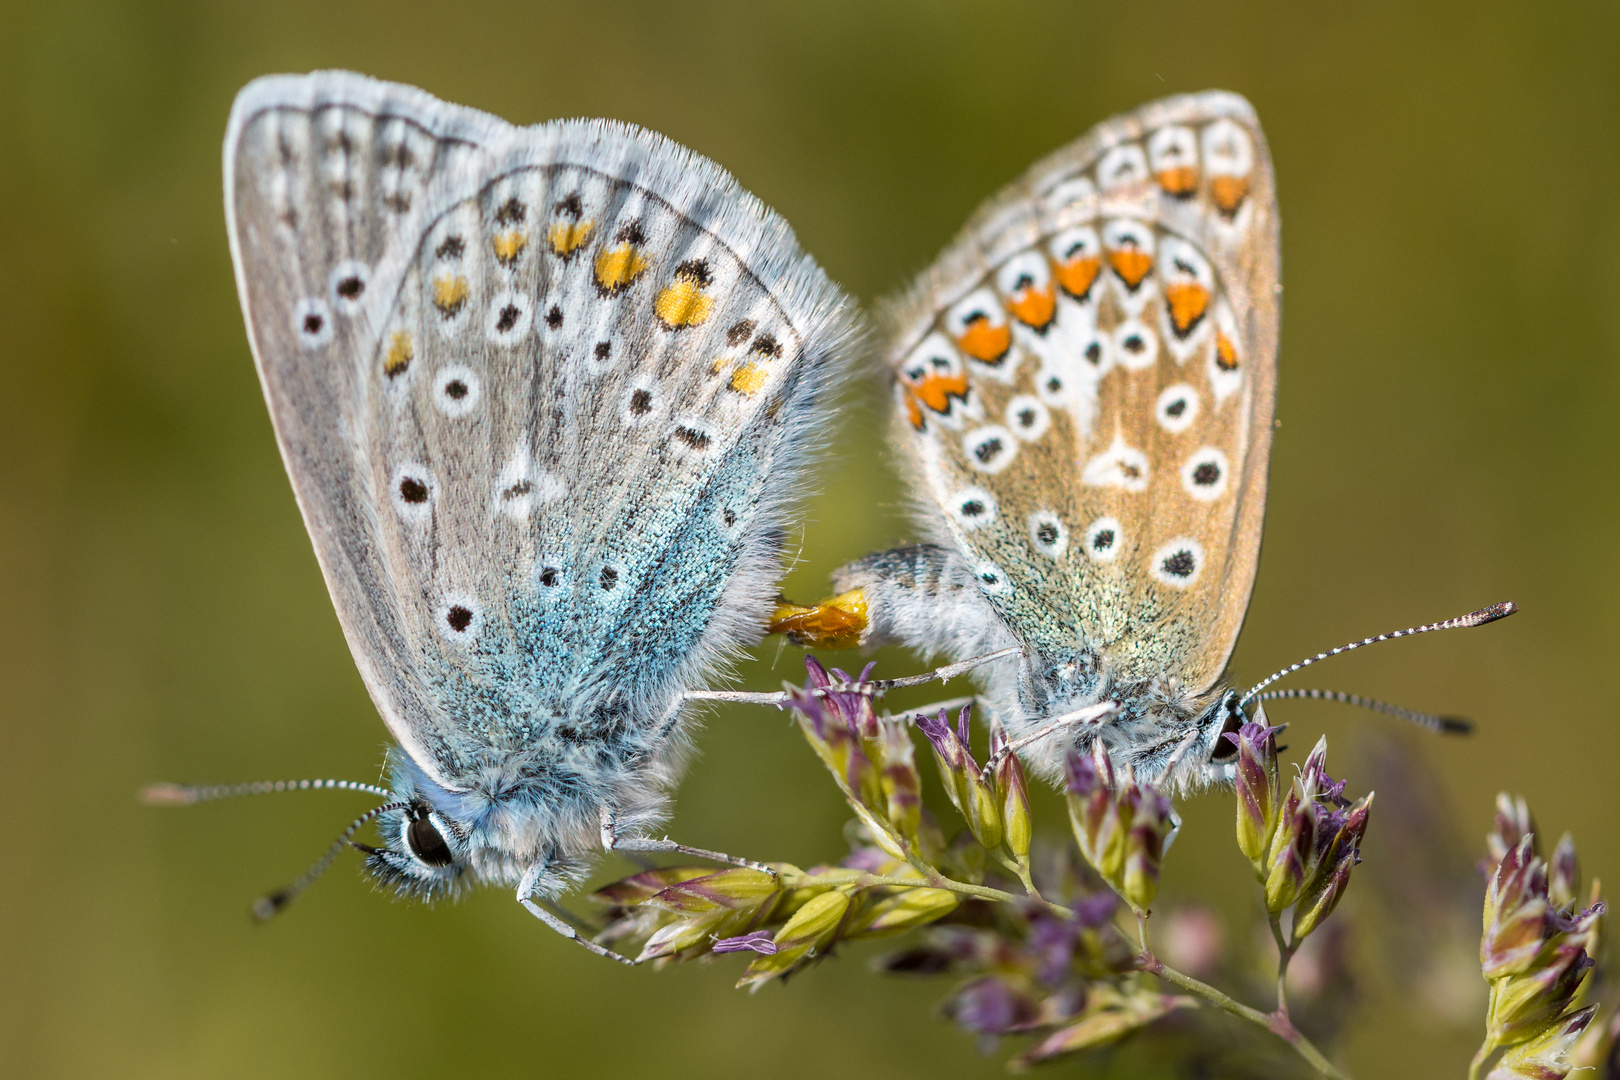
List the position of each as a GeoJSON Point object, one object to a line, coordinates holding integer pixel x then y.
{"type": "Point", "coordinates": [1034, 307]}
{"type": "Point", "coordinates": [399, 355]}
{"type": "Point", "coordinates": [1188, 302]}
{"type": "Point", "coordinates": [509, 245]}
{"type": "Point", "coordinates": [837, 623]}
{"type": "Point", "coordinates": [1229, 192]}
{"type": "Point", "coordinates": [1180, 181]}
{"type": "Point", "coordinates": [986, 342]}
{"type": "Point", "coordinates": [913, 413]}
{"type": "Point", "coordinates": [1078, 275]}
{"type": "Point", "coordinates": [449, 293]}
{"type": "Point", "coordinates": [1226, 357]}
{"type": "Point", "coordinates": [935, 393]}
{"type": "Point", "coordinates": [617, 267]}
{"type": "Point", "coordinates": [1131, 264]}
{"type": "Point", "coordinates": [567, 237]}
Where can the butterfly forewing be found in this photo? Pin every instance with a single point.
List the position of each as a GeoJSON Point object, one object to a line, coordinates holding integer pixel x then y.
{"type": "Point", "coordinates": [1085, 387]}
{"type": "Point", "coordinates": [542, 394]}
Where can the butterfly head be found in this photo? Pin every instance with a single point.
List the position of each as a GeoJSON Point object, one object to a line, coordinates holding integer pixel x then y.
{"type": "Point", "coordinates": [424, 853]}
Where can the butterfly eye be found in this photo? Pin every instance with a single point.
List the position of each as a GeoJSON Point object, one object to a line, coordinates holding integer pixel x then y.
{"type": "Point", "coordinates": [426, 843]}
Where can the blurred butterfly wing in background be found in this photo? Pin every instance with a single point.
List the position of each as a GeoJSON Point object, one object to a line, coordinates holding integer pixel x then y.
{"type": "Point", "coordinates": [1085, 385]}
{"type": "Point", "coordinates": [544, 395]}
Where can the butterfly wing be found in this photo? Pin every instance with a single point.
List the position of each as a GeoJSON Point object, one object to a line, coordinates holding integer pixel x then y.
{"type": "Point", "coordinates": [1085, 386]}
{"type": "Point", "coordinates": [544, 395]}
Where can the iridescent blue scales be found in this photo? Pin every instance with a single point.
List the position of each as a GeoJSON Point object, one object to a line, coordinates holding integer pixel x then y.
{"type": "Point", "coordinates": [1084, 386]}
{"type": "Point", "coordinates": [546, 396]}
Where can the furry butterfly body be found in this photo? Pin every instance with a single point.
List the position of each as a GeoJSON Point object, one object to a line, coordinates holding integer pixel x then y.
{"type": "Point", "coordinates": [545, 396]}
{"type": "Point", "coordinates": [1083, 387]}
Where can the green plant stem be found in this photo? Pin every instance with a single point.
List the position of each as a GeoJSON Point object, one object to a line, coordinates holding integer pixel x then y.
{"type": "Point", "coordinates": [1480, 1055]}
{"type": "Point", "coordinates": [1276, 1023]}
{"type": "Point", "coordinates": [1285, 953]}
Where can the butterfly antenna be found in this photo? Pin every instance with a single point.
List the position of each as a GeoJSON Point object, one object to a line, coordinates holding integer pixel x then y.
{"type": "Point", "coordinates": [1440, 725]}
{"type": "Point", "coordinates": [188, 795]}
{"type": "Point", "coordinates": [267, 906]}
{"type": "Point", "coordinates": [1473, 618]}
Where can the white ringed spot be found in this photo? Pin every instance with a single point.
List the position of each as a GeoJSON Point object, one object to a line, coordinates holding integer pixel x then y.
{"type": "Point", "coordinates": [460, 617]}
{"type": "Point", "coordinates": [1135, 346]}
{"type": "Point", "coordinates": [1177, 563]}
{"type": "Point", "coordinates": [972, 507]}
{"type": "Point", "coordinates": [991, 578]}
{"type": "Point", "coordinates": [1027, 417]}
{"type": "Point", "coordinates": [413, 490]}
{"type": "Point", "coordinates": [312, 322]}
{"type": "Point", "coordinates": [348, 283]}
{"type": "Point", "coordinates": [1104, 538]}
{"type": "Point", "coordinates": [509, 317]}
{"type": "Point", "coordinates": [1204, 474]}
{"type": "Point", "coordinates": [456, 390]}
{"type": "Point", "coordinates": [1048, 533]}
{"type": "Point", "coordinates": [1176, 408]}
{"type": "Point", "coordinates": [1123, 165]}
{"type": "Point", "coordinates": [990, 449]}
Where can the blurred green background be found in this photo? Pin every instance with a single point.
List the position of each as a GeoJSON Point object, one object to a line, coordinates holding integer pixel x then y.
{"type": "Point", "coordinates": [1449, 178]}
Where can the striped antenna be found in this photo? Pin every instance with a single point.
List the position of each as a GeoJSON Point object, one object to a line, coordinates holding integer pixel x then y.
{"type": "Point", "coordinates": [1473, 618]}
{"type": "Point", "coordinates": [1440, 725]}
{"type": "Point", "coordinates": [270, 904]}
{"type": "Point", "coordinates": [188, 795]}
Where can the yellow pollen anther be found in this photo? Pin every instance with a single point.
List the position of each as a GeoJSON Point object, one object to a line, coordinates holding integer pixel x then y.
{"type": "Point", "coordinates": [837, 623]}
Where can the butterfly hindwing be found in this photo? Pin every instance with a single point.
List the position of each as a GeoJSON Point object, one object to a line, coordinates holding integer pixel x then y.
{"type": "Point", "coordinates": [543, 394]}
{"type": "Point", "coordinates": [1085, 386]}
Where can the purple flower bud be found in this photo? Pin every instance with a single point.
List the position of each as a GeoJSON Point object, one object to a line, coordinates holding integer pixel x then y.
{"type": "Point", "coordinates": [1257, 788]}
{"type": "Point", "coordinates": [1516, 913]}
{"type": "Point", "coordinates": [1513, 823]}
{"type": "Point", "coordinates": [760, 941]}
{"type": "Point", "coordinates": [989, 1006]}
{"type": "Point", "coordinates": [1564, 874]}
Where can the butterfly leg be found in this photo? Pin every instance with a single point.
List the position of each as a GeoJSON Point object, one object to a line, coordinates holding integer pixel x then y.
{"type": "Point", "coordinates": [612, 841]}
{"type": "Point", "coordinates": [525, 894]}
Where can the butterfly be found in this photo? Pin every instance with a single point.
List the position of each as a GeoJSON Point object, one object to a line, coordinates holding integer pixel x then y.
{"type": "Point", "coordinates": [546, 397]}
{"type": "Point", "coordinates": [1084, 388]}
{"type": "Point", "coordinates": [1084, 385]}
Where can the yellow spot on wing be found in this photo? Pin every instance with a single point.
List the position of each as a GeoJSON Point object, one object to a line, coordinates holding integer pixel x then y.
{"type": "Point", "coordinates": [567, 237]}
{"type": "Point", "coordinates": [509, 245]}
{"type": "Point", "coordinates": [1078, 275]}
{"type": "Point", "coordinates": [1188, 301]}
{"type": "Point", "coordinates": [935, 392]}
{"type": "Point", "coordinates": [399, 355]}
{"type": "Point", "coordinates": [748, 379]}
{"type": "Point", "coordinates": [837, 623]}
{"type": "Point", "coordinates": [1229, 192]}
{"type": "Point", "coordinates": [617, 267]}
{"type": "Point", "coordinates": [449, 293]}
{"type": "Point", "coordinates": [984, 341]}
{"type": "Point", "coordinates": [1226, 357]}
{"type": "Point", "coordinates": [682, 303]}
